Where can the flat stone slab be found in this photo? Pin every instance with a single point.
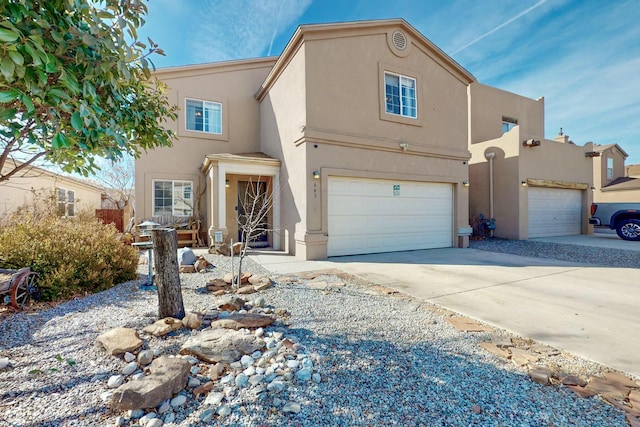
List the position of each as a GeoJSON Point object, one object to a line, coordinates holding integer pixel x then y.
{"type": "Point", "coordinates": [540, 375]}
{"type": "Point", "coordinates": [221, 345]}
{"type": "Point", "coordinates": [464, 324]}
{"type": "Point", "coordinates": [168, 375]}
{"type": "Point", "coordinates": [229, 303]}
{"type": "Point", "coordinates": [494, 349]}
{"type": "Point", "coordinates": [502, 342]}
{"type": "Point", "coordinates": [606, 388]}
{"type": "Point", "coordinates": [243, 320]}
{"type": "Point", "coordinates": [522, 358]}
{"type": "Point", "coordinates": [163, 326]}
{"type": "Point", "coordinates": [621, 380]}
{"type": "Point", "coordinates": [119, 341]}
{"type": "Point", "coordinates": [574, 380]}
{"type": "Point", "coordinates": [581, 391]}
{"type": "Point", "coordinates": [634, 399]}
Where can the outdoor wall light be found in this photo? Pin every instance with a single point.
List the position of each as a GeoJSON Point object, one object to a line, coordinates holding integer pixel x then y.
{"type": "Point", "coordinates": [465, 183]}
{"type": "Point", "coordinates": [524, 183]}
{"type": "Point", "coordinates": [593, 188]}
{"type": "Point", "coordinates": [404, 146]}
{"type": "Point", "coordinates": [227, 184]}
{"type": "Point", "coordinates": [316, 175]}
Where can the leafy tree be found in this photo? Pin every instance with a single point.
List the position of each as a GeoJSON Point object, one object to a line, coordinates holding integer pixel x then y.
{"type": "Point", "coordinates": [75, 83]}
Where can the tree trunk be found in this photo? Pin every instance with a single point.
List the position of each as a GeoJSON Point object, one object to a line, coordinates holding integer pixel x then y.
{"type": "Point", "coordinates": [165, 257]}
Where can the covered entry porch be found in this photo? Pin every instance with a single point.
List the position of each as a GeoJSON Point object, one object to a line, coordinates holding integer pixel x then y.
{"type": "Point", "coordinates": [229, 178]}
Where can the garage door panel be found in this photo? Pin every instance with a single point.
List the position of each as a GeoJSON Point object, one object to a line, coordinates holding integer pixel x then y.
{"type": "Point", "coordinates": [554, 212]}
{"type": "Point", "coordinates": [365, 216]}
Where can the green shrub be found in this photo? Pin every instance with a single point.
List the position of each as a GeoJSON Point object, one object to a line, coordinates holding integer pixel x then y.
{"type": "Point", "coordinates": [73, 256]}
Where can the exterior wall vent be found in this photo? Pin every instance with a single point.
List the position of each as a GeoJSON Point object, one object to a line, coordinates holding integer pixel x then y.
{"type": "Point", "coordinates": [399, 40]}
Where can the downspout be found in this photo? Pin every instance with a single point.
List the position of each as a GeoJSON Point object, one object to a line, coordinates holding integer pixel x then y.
{"type": "Point", "coordinates": [490, 156]}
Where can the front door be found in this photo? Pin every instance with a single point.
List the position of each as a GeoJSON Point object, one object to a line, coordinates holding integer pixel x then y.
{"type": "Point", "coordinates": [253, 213]}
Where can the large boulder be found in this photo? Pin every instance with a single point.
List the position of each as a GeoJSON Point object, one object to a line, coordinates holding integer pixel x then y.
{"type": "Point", "coordinates": [221, 345]}
{"type": "Point", "coordinates": [119, 341]}
{"type": "Point", "coordinates": [186, 256]}
{"type": "Point", "coordinates": [168, 375]}
{"type": "Point", "coordinates": [243, 320]}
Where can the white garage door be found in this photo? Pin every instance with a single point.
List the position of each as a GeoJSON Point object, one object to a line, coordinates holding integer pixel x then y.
{"type": "Point", "coordinates": [369, 215]}
{"type": "Point", "coordinates": [554, 212]}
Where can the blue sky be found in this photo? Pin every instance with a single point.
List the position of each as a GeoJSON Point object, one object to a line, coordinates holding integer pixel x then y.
{"type": "Point", "coordinates": [583, 56]}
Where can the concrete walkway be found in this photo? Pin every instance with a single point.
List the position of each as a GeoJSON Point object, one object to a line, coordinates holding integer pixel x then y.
{"type": "Point", "coordinates": [588, 311]}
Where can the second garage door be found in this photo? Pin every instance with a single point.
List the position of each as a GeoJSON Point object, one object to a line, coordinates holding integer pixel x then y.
{"type": "Point", "coordinates": [554, 212]}
{"type": "Point", "coordinates": [369, 216]}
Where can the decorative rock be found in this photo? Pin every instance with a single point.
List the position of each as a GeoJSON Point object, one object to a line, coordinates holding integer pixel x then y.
{"type": "Point", "coordinates": [607, 388]}
{"type": "Point", "coordinates": [163, 326]}
{"type": "Point", "coordinates": [224, 411]}
{"type": "Point", "coordinates": [502, 342]}
{"type": "Point", "coordinates": [256, 279]}
{"type": "Point", "coordinates": [129, 357]}
{"type": "Point", "coordinates": [138, 376]}
{"type": "Point", "coordinates": [275, 386]}
{"type": "Point", "coordinates": [145, 357]}
{"type": "Point", "coordinates": [135, 414]}
{"type": "Point", "coordinates": [222, 249]}
{"type": "Point", "coordinates": [194, 370]}
{"type": "Point", "coordinates": [237, 247]}
{"type": "Point", "coordinates": [148, 417]}
{"type": "Point", "coordinates": [229, 303]}
{"type": "Point", "coordinates": [214, 399]}
{"type": "Point", "coordinates": [170, 417]}
{"type": "Point", "coordinates": [156, 422]}
{"type": "Point", "coordinates": [115, 381]}
{"type": "Point", "coordinates": [218, 345]}
{"type": "Point", "coordinates": [540, 375]}
{"type": "Point", "coordinates": [304, 374]}
{"type": "Point", "coordinates": [207, 415]}
{"type": "Point", "coordinates": [246, 360]}
{"type": "Point", "coordinates": [246, 320]}
{"type": "Point", "coordinates": [264, 285]}
{"type": "Point", "coordinates": [168, 375]}
{"type": "Point", "coordinates": [227, 379]}
{"type": "Point", "coordinates": [476, 409]}
{"type": "Point", "coordinates": [187, 269]}
{"type": "Point", "coordinates": [277, 335]}
{"type": "Point", "coordinates": [574, 380]}
{"type": "Point", "coordinates": [494, 349]}
{"type": "Point", "coordinates": [277, 401]}
{"type": "Point", "coordinates": [106, 396]}
{"type": "Point", "coordinates": [241, 379]}
{"type": "Point", "coordinates": [179, 400]}
{"type": "Point", "coordinates": [522, 358]}
{"type": "Point", "coordinates": [228, 278]}
{"type": "Point", "coordinates": [291, 407]}
{"type": "Point", "coordinates": [243, 290]}
{"type": "Point", "coordinates": [250, 371]}
{"type": "Point", "coordinates": [217, 284]}
{"type": "Point", "coordinates": [293, 364]}
{"type": "Point", "coordinates": [186, 256]}
{"type": "Point", "coordinates": [193, 382]}
{"type": "Point", "coordinates": [129, 368]}
{"type": "Point", "coordinates": [164, 407]}
{"type": "Point", "coordinates": [307, 363]}
{"type": "Point", "coordinates": [4, 362]}
{"type": "Point", "coordinates": [119, 340]}
{"type": "Point", "coordinates": [204, 388]}
{"type": "Point", "coordinates": [256, 379]}
{"type": "Point", "coordinates": [191, 359]}
{"type": "Point", "coordinates": [119, 421]}
{"type": "Point", "coordinates": [201, 264]}
{"type": "Point", "coordinates": [259, 302]}
{"type": "Point", "coordinates": [192, 320]}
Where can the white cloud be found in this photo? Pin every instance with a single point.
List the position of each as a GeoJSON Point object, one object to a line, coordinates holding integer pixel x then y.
{"type": "Point", "coordinates": [235, 29]}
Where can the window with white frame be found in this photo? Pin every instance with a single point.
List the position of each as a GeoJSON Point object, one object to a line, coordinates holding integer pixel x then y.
{"type": "Point", "coordinates": [203, 116]}
{"type": "Point", "coordinates": [508, 123]}
{"type": "Point", "coordinates": [609, 168]}
{"type": "Point", "coordinates": [66, 202]}
{"type": "Point", "coordinates": [400, 95]}
{"type": "Point", "coordinates": [172, 198]}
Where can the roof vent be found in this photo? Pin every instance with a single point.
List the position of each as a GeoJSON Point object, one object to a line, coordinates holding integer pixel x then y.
{"type": "Point", "coordinates": [399, 40]}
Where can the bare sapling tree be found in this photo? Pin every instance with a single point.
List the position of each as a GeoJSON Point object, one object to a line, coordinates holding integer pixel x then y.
{"type": "Point", "coordinates": [118, 177]}
{"type": "Point", "coordinates": [254, 208]}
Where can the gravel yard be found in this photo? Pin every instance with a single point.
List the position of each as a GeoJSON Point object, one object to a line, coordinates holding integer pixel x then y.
{"type": "Point", "coordinates": [383, 360]}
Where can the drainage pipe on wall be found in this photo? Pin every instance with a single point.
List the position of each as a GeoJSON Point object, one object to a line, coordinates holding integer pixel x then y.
{"type": "Point", "coordinates": [490, 156]}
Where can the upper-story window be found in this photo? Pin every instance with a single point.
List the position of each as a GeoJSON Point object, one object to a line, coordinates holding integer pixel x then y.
{"type": "Point", "coordinates": [400, 95]}
{"type": "Point", "coordinates": [204, 116]}
{"type": "Point", "coordinates": [508, 123]}
{"type": "Point", "coordinates": [609, 168]}
{"type": "Point", "coordinates": [66, 202]}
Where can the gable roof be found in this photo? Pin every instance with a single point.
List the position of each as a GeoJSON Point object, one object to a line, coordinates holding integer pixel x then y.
{"type": "Point", "coordinates": [606, 147]}
{"type": "Point", "coordinates": [623, 183]}
{"type": "Point", "coordinates": [324, 31]}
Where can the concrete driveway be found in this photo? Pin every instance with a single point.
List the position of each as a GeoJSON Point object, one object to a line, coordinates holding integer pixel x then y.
{"type": "Point", "coordinates": [592, 312]}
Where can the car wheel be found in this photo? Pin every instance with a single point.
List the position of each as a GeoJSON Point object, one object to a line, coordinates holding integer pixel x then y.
{"type": "Point", "coordinates": [629, 229]}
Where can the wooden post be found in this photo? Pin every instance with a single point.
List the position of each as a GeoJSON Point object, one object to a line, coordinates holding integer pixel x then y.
{"type": "Point", "coordinates": [165, 257]}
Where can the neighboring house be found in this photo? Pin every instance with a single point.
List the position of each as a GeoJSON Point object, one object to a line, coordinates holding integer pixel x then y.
{"type": "Point", "coordinates": [531, 186]}
{"type": "Point", "coordinates": [71, 194]}
{"type": "Point", "coordinates": [613, 181]}
{"type": "Point", "coordinates": [359, 130]}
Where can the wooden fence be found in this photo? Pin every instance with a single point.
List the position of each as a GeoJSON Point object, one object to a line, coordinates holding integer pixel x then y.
{"type": "Point", "coordinates": [109, 216]}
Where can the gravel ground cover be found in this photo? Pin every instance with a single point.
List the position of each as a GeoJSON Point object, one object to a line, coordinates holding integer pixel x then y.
{"type": "Point", "coordinates": [383, 360]}
{"type": "Point", "coordinates": [565, 252]}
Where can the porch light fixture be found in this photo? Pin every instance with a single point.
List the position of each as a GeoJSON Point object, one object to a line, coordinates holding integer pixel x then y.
{"type": "Point", "coordinates": [404, 146]}
{"type": "Point", "coordinates": [531, 143]}
{"type": "Point", "coordinates": [227, 184]}
{"type": "Point", "coordinates": [465, 183]}
{"type": "Point", "coordinates": [523, 183]}
{"type": "Point", "coordinates": [593, 154]}
{"type": "Point", "coordinates": [316, 175]}
{"type": "Point", "coordinates": [593, 188]}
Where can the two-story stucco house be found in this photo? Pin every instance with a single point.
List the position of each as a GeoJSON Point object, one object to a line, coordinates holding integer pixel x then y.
{"type": "Point", "coordinates": [359, 131]}
{"type": "Point", "coordinates": [613, 181]}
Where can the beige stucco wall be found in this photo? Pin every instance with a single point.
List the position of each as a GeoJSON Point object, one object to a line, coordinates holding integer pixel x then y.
{"type": "Point", "coordinates": [559, 164]}
{"type": "Point", "coordinates": [17, 190]}
{"type": "Point", "coordinates": [488, 105]}
{"type": "Point", "coordinates": [617, 196]}
{"type": "Point", "coordinates": [233, 84]}
{"type": "Point", "coordinates": [324, 114]}
{"type": "Point", "coordinates": [600, 166]}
